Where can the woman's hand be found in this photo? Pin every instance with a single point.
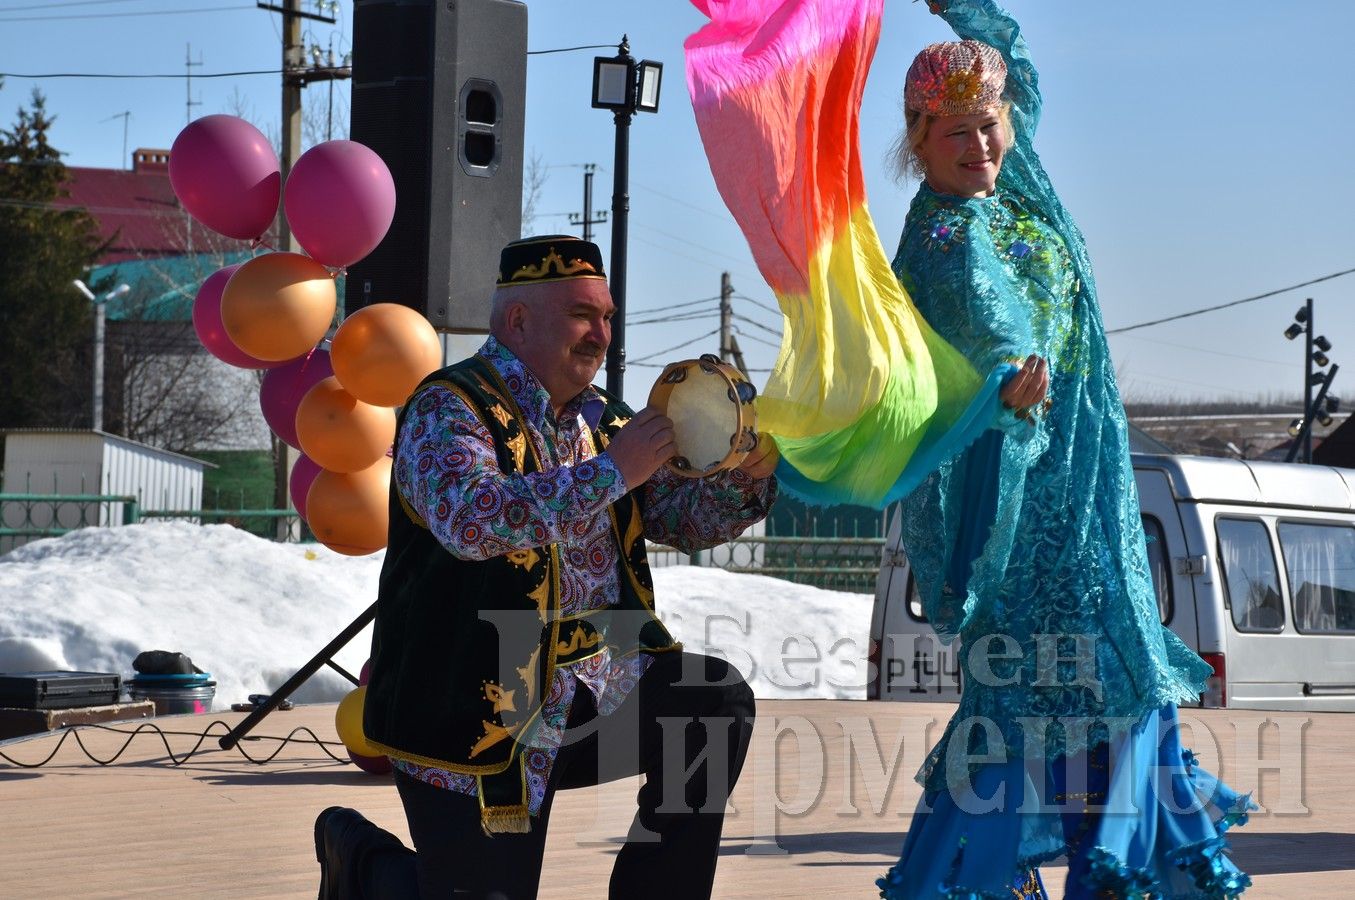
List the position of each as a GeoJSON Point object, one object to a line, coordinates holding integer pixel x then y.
{"type": "Point", "coordinates": [1028, 386]}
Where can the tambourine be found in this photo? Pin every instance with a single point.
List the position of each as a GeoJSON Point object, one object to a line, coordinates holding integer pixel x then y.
{"type": "Point", "coordinates": [711, 405]}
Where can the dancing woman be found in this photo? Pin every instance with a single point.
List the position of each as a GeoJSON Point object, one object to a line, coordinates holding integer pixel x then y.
{"type": "Point", "coordinates": [1029, 546]}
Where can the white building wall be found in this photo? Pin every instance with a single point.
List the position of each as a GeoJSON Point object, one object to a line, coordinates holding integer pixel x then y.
{"type": "Point", "coordinates": [89, 462]}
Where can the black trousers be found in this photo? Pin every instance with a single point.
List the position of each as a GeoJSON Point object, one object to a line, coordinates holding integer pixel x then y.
{"type": "Point", "coordinates": [686, 727]}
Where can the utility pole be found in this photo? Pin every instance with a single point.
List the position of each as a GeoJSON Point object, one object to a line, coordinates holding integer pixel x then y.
{"type": "Point", "coordinates": [726, 318]}
{"type": "Point", "coordinates": [295, 76]}
{"type": "Point", "coordinates": [589, 217]}
{"type": "Point", "coordinates": [292, 63]}
{"type": "Point", "coordinates": [126, 118]}
{"type": "Point", "coordinates": [729, 344]}
{"type": "Point", "coordinates": [188, 82]}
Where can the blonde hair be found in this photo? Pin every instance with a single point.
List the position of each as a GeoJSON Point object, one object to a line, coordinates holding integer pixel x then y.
{"type": "Point", "coordinates": [904, 160]}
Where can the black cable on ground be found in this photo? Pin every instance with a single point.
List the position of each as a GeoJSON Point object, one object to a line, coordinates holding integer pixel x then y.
{"type": "Point", "coordinates": [150, 728]}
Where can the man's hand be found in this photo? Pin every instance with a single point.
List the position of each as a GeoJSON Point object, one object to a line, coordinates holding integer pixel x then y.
{"type": "Point", "coordinates": [642, 445]}
{"type": "Point", "coordinates": [762, 459]}
{"type": "Point", "coordinates": [1028, 386]}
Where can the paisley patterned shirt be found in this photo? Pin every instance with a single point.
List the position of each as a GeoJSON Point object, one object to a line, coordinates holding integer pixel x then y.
{"type": "Point", "coordinates": [447, 471]}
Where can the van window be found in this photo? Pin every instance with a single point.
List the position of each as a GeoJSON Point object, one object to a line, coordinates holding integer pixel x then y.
{"type": "Point", "coordinates": [1157, 566]}
{"type": "Point", "coordinates": [1248, 564]}
{"type": "Point", "coordinates": [1320, 561]}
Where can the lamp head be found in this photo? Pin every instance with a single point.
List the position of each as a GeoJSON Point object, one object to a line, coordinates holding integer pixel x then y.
{"type": "Point", "coordinates": [651, 79]}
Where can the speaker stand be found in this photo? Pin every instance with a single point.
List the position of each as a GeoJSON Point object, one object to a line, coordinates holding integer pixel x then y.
{"type": "Point", "coordinates": [323, 658]}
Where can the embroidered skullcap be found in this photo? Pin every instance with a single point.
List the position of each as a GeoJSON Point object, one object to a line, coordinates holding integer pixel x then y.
{"type": "Point", "coordinates": [955, 78]}
{"type": "Point", "coordinates": [551, 257]}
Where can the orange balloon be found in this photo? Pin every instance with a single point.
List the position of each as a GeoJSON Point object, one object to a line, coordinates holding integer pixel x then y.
{"type": "Point", "coordinates": [340, 432]}
{"type": "Point", "coordinates": [349, 513]}
{"type": "Point", "coordinates": [381, 353]}
{"type": "Point", "coordinates": [278, 305]}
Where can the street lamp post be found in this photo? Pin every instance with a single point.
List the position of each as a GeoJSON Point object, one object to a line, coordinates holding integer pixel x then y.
{"type": "Point", "coordinates": [99, 319]}
{"type": "Point", "coordinates": [625, 86]}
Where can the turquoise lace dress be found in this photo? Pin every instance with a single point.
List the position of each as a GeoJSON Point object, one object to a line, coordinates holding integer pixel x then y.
{"type": "Point", "coordinates": [1029, 548]}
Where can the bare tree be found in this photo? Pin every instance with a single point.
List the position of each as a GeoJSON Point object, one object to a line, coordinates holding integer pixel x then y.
{"type": "Point", "coordinates": [163, 387]}
{"type": "Point", "coordinates": [533, 183]}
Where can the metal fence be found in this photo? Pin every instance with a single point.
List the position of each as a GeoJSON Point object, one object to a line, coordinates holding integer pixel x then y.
{"type": "Point", "coordinates": [27, 517]}
{"type": "Point", "coordinates": [836, 563]}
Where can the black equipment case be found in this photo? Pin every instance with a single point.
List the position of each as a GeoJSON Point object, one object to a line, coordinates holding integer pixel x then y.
{"type": "Point", "coordinates": [58, 690]}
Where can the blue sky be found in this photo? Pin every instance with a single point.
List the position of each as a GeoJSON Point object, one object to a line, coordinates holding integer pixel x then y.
{"type": "Point", "coordinates": [1203, 146]}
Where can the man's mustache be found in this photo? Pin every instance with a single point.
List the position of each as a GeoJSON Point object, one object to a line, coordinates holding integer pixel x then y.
{"type": "Point", "coordinates": [589, 347]}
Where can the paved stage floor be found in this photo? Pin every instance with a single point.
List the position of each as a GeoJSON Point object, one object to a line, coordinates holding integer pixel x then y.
{"type": "Point", "coordinates": [820, 810]}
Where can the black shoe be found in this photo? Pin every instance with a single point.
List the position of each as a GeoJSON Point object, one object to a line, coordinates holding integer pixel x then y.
{"type": "Point", "coordinates": [343, 841]}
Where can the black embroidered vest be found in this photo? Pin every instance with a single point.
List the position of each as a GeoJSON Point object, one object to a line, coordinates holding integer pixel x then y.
{"type": "Point", "coordinates": [463, 650]}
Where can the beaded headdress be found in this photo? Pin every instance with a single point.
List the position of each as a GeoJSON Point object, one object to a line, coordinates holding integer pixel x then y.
{"type": "Point", "coordinates": [955, 78]}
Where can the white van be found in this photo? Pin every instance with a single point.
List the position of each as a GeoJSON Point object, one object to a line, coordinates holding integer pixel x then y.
{"type": "Point", "coordinates": [1254, 566]}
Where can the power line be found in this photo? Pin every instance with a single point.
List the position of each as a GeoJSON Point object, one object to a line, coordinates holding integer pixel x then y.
{"type": "Point", "coordinates": [753, 337]}
{"type": "Point", "coordinates": [1198, 312]}
{"type": "Point", "coordinates": [212, 74]}
{"type": "Point", "coordinates": [1273, 362]}
{"type": "Point", "coordinates": [6, 9]}
{"type": "Point", "coordinates": [743, 318]}
{"type": "Point", "coordinates": [174, 75]}
{"type": "Point", "coordinates": [121, 15]}
{"type": "Point", "coordinates": [571, 49]}
{"type": "Point", "coordinates": [771, 309]}
{"type": "Point", "coordinates": [671, 306]}
{"type": "Point", "coordinates": [695, 315]}
{"type": "Point", "coordinates": [671, 349]}
{"type": "Point", "coordinates": [679, 238]}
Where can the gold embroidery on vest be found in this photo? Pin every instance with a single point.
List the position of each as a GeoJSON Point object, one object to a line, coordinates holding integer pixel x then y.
{"type": "Point", "coordinates": [502, 699]}
{"type": "Point", "coordinates": [578, 641]}
{"type": "Point", "coordinates": [518, 444]}
{"type": "Point", "coordinates": [541, 595]}
{"type": "Point", "coordinates": [503, 415]}
{"type": "Point", "coordinates": [524, 559]}
{"type": "Point", "coordinates": [528, 675]}
{"type": "Point", "coordinates": [494, 734]}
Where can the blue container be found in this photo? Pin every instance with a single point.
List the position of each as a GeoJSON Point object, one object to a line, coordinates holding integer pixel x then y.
{"type": "Point", "coordinates": [174, 694]}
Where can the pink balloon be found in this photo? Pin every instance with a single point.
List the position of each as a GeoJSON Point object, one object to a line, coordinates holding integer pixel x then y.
{"type": "Point", "coordinates": [211, 332]}
{"type": "Point", "coordinates": [226, 175]}
{"type": "Point", "coordinates": [299, 484]}
{"type": "Point", "coordinates": [372, 765]}
{"type": "Point", "coordinates": [282, 390]}
{"type": "Point", "coordinates": [340, 200]}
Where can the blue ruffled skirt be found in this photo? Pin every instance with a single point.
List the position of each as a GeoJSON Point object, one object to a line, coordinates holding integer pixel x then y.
{"type": "Point", "coordinates": [1136, 818]}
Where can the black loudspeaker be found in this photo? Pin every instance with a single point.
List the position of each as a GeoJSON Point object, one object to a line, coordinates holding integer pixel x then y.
{"type": "Point", "coordinates": [439, 90]}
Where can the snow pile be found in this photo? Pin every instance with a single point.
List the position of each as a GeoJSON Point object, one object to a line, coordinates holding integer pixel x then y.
{"type": "Point", "coordinates": [251, 612]}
